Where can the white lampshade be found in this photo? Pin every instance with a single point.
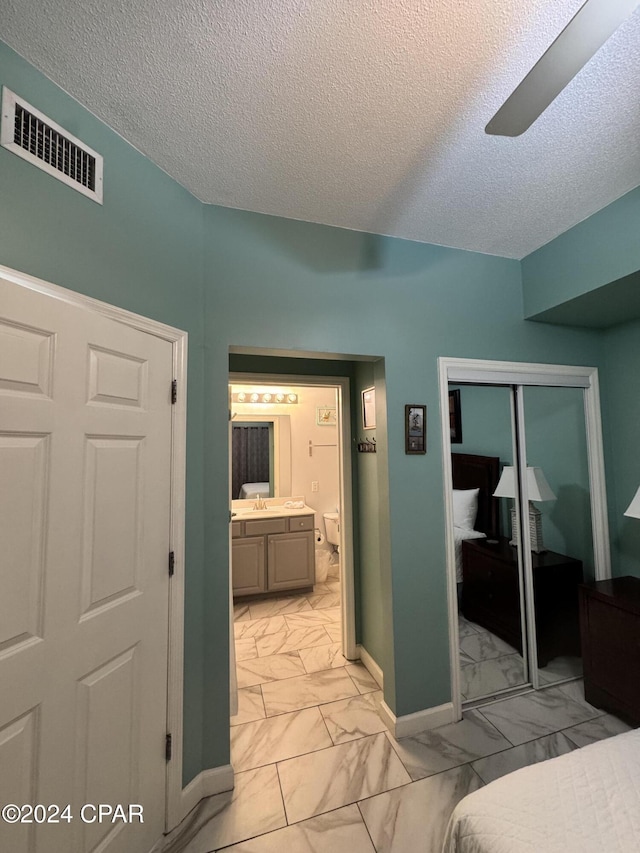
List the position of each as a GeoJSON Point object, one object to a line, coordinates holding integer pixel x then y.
{"type": "Point", "coordinates": [537, 486]}
{"type": "Point", "coordinates": [506, 487]}
{"type": "Point", "coordinates": [633, 510]}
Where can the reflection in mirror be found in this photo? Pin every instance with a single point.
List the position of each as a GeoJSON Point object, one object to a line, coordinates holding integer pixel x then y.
{"type": "Point", "coordinates": [556, 443]}
{"type": "Point", "coordinates": [490, 600]}
{"type": "Point", "coordinates": [253, 467]}
{"type": "Point", "coordinates": [252, 460]}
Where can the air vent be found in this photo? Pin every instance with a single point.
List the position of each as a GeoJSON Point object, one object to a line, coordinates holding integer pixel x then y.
{"type": "Point", "coordinates": [34, 137]}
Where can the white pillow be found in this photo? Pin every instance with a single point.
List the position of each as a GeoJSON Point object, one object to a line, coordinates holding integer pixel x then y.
{"type": "Point", "coordinates": [465, 507]}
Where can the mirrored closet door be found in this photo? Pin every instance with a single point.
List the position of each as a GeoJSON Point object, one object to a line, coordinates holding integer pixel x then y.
{"type": "Point", "coordinates": [560, 523]}
{"type": "Point", "coordinates": [527, 440]}
{"type": "Point", "coordinates": [492, 642]}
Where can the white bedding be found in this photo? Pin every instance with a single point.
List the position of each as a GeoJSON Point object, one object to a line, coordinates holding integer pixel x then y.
{"type": "Point", "coordinates": [585, 802]}
{"type": "Point", "coordinates": [459, 535]}
{"type": "Point", "coordinates": [250, 490]}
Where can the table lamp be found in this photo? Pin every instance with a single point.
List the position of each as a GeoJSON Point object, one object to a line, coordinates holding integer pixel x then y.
{"type": "Point", "coordinates": [539, 490]}
{"type": "Point", "coordinates": [633, 510]}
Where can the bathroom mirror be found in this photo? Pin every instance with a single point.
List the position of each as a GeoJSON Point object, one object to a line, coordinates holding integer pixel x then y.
{"type": "Point", "coordinates": [265, 436]}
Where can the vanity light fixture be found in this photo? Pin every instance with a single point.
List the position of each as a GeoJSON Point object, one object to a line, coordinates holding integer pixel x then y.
{"type": "Point", "coordinates": [264, 397]}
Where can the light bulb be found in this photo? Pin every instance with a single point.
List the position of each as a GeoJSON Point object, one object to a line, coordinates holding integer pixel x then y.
{"type": "Point", "coordinates": [255, 398]}
{"type": "Point", "coordinates": [292, 398]}
{"type": "Point", "coordinates": [266, 398]}
{"type": "Point", "coordinates": [279, 398]}
{"type": "Point", "coordinates": [242, 397]}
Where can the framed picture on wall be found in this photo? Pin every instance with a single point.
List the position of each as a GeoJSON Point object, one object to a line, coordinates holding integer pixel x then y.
{"type": "Point", "coordinates": [415, 428]}
{"type": "Point", "coordinates": [326, 415]}
{"type": "Point", "coordinates": [369, 408]}
{"type": "Point", "coordinates": [455, 417]}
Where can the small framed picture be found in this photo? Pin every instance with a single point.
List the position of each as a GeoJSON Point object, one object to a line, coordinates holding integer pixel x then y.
{"type": "Point", "coordinates": [455, 417]}
{"type": "Point", "coordinates": [415, 428]}
{"type": "Point", "coordinates": [326, 415]}
{"type": "Point", "coordinates": [369, 408]}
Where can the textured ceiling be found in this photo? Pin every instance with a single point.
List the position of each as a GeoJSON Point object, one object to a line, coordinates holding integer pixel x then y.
{"type": "Point", "coordinates": [366, 114]}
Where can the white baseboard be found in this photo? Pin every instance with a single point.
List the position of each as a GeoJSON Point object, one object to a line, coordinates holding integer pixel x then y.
{"type": "Point", "coordinates": [421, 721]}
{"type": "Point", "coordinates": [374, 670]}
{"type": "Point", "coordinates": [206, 784]}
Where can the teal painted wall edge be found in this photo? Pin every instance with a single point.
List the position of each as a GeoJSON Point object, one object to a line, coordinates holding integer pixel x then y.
{"type": "Point", "coordinates": [141, 250]}
{"type": "Point", "coordinates": [621, 414]}
{"type": "Point", "coordinates": [606, 306]}
{"type": "Point", "coordinates": [600, 250]}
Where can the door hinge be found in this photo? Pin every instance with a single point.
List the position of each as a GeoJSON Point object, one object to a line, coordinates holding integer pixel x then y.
{"type": "Point", "coordinates": [167, 748]}
{"type": "Point", "coordinates": [172, 563]}
{"type": "Point", "coordinates": [174, 390]}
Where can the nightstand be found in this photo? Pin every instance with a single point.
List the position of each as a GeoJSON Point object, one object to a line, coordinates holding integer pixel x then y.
{"type": "Point", "coordinates": [610, 628]}
{"type": "Point", "coordinates": [491, 598]}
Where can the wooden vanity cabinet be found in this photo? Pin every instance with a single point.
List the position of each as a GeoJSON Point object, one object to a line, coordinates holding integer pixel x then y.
{"type": "Point", "coordinates": [273, 555]}
{"type": "Point", "coordinates": [249, 575]}
{"type": "Point", "coordinates": [290, 561]}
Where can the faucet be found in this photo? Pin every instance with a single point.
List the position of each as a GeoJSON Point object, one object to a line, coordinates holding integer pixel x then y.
{"type": "Point", "coordinates": [259, 503]}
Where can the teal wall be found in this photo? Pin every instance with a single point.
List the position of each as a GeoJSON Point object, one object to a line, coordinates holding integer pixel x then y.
{"type": "Point", "coordinates": [602, 249]}
{"type": "Point", "coordinates": [374, 576]}
{"type": "Point", "coordinates": [286, 285]}
{"type": "Point", "coordinates": [140, 250]}
{"type": "Point", "coordinates": [621, 409]}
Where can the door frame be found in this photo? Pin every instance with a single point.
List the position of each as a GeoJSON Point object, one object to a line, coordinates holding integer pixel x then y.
{"type": "Point", "coordinates": [481, 372]}
{"type": "Point", "coordinates": [342, 385]}
{"type": "Point", "coordinates": [174, 800]}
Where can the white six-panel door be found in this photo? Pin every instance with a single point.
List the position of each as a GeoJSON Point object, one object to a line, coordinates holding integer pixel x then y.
{"type": "Point", "coordinates": [85, 447]}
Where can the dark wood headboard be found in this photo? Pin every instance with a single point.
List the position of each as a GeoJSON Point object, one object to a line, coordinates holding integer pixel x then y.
{"type": "Point", "coordinates": [480, 472]}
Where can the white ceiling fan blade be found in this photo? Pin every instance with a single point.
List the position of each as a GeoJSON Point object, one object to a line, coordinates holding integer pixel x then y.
{"type": "Point", "coordinates": [585, 34]}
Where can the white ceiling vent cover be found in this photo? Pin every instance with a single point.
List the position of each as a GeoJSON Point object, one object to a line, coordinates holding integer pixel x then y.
{"type": "Point", "coordinates": [33, 136]}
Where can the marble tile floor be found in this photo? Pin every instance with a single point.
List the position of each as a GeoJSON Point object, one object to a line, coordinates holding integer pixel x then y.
{"type": "Point", "coordinates": [317, 772]}
{"type": "Point", "coordinates": [488, 665]}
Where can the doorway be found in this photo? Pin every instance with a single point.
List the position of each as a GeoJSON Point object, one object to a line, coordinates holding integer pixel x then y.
{"type": "Point", "coordinates": [524, 443]}
{"type": "Point", "coordinates": [309, 628]}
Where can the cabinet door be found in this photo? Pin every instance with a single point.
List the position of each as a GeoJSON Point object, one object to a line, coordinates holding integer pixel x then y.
{"type": "Point", "coordinates": [291, 561]}
{"type": "Point", "coordinates": [248, 566]}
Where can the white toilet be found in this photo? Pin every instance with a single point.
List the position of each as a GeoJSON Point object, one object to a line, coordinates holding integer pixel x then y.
{"type": "Point", "coordinates": [332, 528]}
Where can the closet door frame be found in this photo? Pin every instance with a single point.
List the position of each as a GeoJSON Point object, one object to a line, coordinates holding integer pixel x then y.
{"type": "Point", "coordinates": [520, 374]}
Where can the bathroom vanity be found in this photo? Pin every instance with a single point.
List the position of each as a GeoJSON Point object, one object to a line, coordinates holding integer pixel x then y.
{"type": "Point", "coordinates": [272, 549]}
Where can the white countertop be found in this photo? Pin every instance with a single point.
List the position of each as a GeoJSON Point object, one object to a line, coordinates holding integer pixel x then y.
{"type": "Point", "coordinates": [274, 508]}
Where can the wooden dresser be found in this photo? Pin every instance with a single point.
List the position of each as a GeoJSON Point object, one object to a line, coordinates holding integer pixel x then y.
{"type": "Point", "coordinates": [610, 630]}
{"type": "Point", "coordinates": [491, 598]}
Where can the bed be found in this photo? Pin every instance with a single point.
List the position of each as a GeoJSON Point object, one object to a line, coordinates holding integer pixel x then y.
{"type": "Point", "coordinates": [252, 490]}
{"type": "Point", "coordinates": [585, 802]}
{"type": "Point", "coordinates": [479, 475]}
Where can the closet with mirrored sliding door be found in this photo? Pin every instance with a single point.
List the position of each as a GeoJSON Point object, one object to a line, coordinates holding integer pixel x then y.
{"type": "Point", "coordinates": [526, 521]}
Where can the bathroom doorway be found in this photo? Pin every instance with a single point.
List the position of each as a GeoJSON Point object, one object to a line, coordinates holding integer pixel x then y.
{"type": "Point", "coordinates": [291, 552]}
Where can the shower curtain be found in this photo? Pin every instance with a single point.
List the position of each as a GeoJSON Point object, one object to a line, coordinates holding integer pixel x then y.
{"type": "Point", "coordinates": [249, 455]}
